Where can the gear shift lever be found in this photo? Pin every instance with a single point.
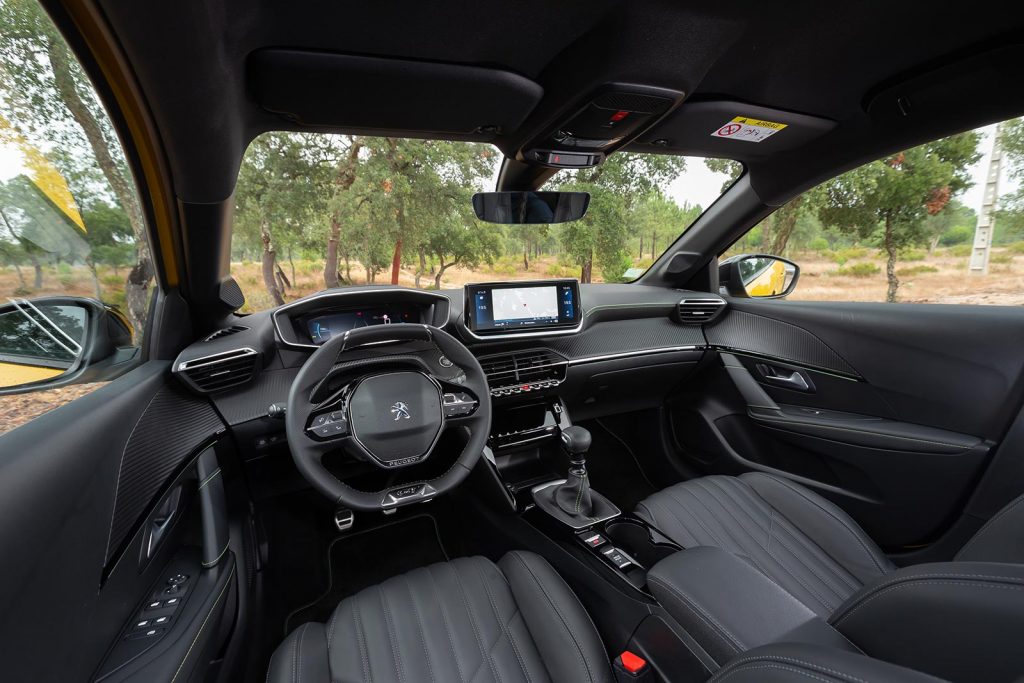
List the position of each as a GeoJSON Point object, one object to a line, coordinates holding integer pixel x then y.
{"type": "Point", "coordinates": [573, 497]}
{"type": "Point", "coordinates": [572, 502]}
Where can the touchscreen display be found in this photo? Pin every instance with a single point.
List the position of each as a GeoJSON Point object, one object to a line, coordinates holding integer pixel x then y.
{"type": "Point", "coordinates": [510, 307]}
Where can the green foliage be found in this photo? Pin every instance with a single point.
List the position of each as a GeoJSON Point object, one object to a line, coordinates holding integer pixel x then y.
{"type": "Point", "coordinates": [1015, 248]}
{"type": "Point", "coordinates": [857, 270]}
{"type": "Point", "coordinates": [899, 192]}
{"type": "Point", "coordinates": [912, 255]}
{"type": "Point", "coordinates": [818, 244]}
{"type": "Point", "coordinates": [960, 250]}
{"type": "Point", "coordinates": [1003, 258]}
{"type": "Point", "coordinates": [916, 270]}
{"type": "Point", "coordinates": [960, 234]}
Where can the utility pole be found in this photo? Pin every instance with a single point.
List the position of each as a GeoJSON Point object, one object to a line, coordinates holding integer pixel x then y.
{"type": "Point", "coordinates": [983, 232]}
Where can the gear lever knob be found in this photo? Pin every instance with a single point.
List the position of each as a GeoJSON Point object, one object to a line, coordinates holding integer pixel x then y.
{"type": "Point", "coordinates": [576, 442]}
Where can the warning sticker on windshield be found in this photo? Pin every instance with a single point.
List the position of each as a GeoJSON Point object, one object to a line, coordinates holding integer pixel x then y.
{"type": "Point", "coordinates": [748, 129]}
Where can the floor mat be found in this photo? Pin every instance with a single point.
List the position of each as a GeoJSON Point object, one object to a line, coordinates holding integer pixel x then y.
{"type": "Point", "coordinates": [365, 558]}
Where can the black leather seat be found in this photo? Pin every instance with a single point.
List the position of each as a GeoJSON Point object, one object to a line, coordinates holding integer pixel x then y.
{"type": "Point", "coordinates": [768, 561]}
{"type": "Point", "coordinates": [801, 541]}
{"type": "Point", "coordinates": [464, 620]}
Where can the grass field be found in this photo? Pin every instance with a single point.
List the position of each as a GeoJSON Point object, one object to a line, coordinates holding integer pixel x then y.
{"type": "Point", "coordinates": [847, 275]}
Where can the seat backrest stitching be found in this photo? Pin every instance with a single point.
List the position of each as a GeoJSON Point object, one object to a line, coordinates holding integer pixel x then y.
{"type": "Point", "coordinates": [915, 584]}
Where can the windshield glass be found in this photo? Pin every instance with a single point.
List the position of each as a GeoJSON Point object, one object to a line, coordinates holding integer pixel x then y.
{"type": "Point", "coordinates": [315, 211]}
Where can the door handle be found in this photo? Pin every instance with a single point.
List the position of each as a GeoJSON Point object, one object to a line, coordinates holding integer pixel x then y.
{"type": "Point", "coordinates": [793, 380]}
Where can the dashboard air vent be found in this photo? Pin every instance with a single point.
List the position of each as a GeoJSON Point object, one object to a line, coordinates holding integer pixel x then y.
{"type": "Point", "coordinates": [522, 371]}
{"type": "Point", "coordinates": [227, 331]}
{"type": "Point", "coordinates": [219, 371]}
{"type": "Point", "coordinates": [699, 311]}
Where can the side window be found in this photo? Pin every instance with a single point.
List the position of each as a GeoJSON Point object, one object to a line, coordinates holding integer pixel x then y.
{"type": "Point", "coordinates": [71, 225]}
{"type": "Point", "coordinates": [939, 223]}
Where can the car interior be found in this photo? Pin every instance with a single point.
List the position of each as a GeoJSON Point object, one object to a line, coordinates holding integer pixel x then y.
{"type": "Point", "coordinates": [667, 479]}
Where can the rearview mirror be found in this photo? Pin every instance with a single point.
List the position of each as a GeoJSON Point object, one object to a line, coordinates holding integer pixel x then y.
{"type": "Point", "coordinates": [758, 276]}
{"type": "Point", "coordinates": [525, 208]}
{"type": "Point", "coordinates": [54, 341]}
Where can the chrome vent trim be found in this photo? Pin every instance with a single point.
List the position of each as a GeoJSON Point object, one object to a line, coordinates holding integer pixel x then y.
{"type": "Point", "coordinates": [226, 332]}
{"type": "Point", "coordinates": [527, 370]}
{"type": "Point", "coordinates": [219, 371]}
{"type": "Point", "coordinates": [699, 311]}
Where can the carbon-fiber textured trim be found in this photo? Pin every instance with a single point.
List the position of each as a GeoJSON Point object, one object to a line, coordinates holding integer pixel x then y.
{"type": "Point", "coordinates": [741, 331]}
{"type": "Point", "coordinates": [624, 336]}
{"type": "Point", "coordinates": [251, 401]}
{"type": "Point", "coordinates": [173, 425]}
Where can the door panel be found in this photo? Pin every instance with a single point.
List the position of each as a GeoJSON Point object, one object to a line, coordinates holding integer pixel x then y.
{"type": "Point", "coordinates": [891, 411]}
{"type": "Point", "coordinates": [79, 487]}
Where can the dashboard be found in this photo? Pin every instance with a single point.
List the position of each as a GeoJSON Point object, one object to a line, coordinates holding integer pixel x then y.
{"type": "Point", "coordinates": [602, 349]}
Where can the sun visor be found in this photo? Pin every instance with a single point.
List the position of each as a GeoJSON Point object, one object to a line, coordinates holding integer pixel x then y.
{"type": "Point", "coordinates": [731, 130]}
{"type": "Point", "coordinates": [321, 89]}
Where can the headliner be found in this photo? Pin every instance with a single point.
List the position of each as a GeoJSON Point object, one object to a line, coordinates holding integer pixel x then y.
{"type": "Point", "coordinates": [809, 57]}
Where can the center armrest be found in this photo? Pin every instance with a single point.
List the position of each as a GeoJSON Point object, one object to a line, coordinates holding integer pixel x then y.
{"type": "Point", "coordinates": [728, 606]}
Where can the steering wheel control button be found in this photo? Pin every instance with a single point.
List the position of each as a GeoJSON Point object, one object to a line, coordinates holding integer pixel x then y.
{"type": "Point", "coordinates": [444, 362]}
{"type": "Point", "coordinates": [459, 404]}
{"type": "Point", "coordinates": [396, 416]}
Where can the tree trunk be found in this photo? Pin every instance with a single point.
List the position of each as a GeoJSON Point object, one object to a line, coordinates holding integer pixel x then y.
{"type": "Point", "coordinates": [95, 279]}
{"type": "Point", "coordinates": [641, 247]}
{"type": "Point", "coordinates": [331, 260]}
{"type": "Point", "coordinates": [934, 244]}
{"type": "Point", "coordinates": [890, 263]}
{"type": "Point", "coordinates": [268, 267]}
{"type": "Point", "coordinates": [526, 254]}
{"type": "Point", "coordinates": [291, 265]}
{"type": "Point", "coordinates": [654, 240]}
{"type": "Point", "coordinates": [137, 285]}
{"type": "Point", "coordinates": [785, 222]}
{"type": "Point", "coordinates": [440, 273]}
{"type": "Point", "coordinates": [283, 279]}
{"type": "Point", "coordinates": [396, 261]}
{"type": "Point", "coordinates": [38, 284]}
{"type": "Point", "coordinates": [20, 276]}
{"type": "Point", "coordinates": [587, 270]}
{"type": "Point", "coordinates": [422, 270]}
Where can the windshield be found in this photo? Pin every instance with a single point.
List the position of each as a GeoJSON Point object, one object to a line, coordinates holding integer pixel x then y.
{"type": "Point", "coordinates": [315, 211]}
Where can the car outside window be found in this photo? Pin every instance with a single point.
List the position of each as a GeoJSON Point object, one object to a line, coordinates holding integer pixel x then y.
{"type": "Point", "coordinates": [70, 220]}
{"type": "Point", "coordinates": [315, 211]}
{"type": "Point", "coordinates": [939, 223]}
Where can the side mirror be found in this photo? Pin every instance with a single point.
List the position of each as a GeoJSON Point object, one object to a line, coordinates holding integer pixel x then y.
{"type": "Point", "coordinates": [527, 208]}
{"type": "Point", "coordinates": [758, 276]}
{"type": "Point", "coordinates": [54, 341]}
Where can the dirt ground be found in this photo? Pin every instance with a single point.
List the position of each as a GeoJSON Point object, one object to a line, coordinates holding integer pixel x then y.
{"type": "Point", "coordinates": [940, 277]}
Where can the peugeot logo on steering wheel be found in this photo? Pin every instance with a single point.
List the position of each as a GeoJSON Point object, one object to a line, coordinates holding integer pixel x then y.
{"type": "Point", "coordinates": [400, 411]}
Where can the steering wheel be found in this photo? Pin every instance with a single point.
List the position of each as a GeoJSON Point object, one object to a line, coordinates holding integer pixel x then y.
{"type": "Point", "coordinates": [388, 408]}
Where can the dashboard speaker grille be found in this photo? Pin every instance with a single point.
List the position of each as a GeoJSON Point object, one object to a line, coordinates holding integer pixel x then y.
{"type": "Point", "coordinates": [220, 371]}
{"type": "Point", "coordinates": [699, 311]}
{"type": "Point", "coordinates": [227, 331]}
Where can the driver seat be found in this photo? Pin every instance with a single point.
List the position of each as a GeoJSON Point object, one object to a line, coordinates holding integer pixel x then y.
{"type": "Point", "coordinates": [464, 620]}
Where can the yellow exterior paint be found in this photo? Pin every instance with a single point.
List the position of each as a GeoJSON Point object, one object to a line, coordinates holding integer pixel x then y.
{"type": "Point", "coordinates": [14, 374]}
{"type": "Point", "coordinates": [769, 282]}
{"type": "Point", "coordinates": [42, 174]}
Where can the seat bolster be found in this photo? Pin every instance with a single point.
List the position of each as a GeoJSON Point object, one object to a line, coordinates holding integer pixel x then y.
{"type": "Point", "coordinates": [302, 657]}
{"type": "Point", "coordinates": [1001, 539]}
{"type": "Point", "coordinates": [958, 620]}
{"type": "Point", "coordinates": [562, 630]}
{"type": "Point", "coordinates": [802, 663]}
{"type": "Point", "coordinates": [824, 523]}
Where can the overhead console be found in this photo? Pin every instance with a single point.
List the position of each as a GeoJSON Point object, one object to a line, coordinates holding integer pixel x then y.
{"type": "Point", "coordinates": [610, 119]}
{"type": "Point", "coordinates": [516, 309]}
